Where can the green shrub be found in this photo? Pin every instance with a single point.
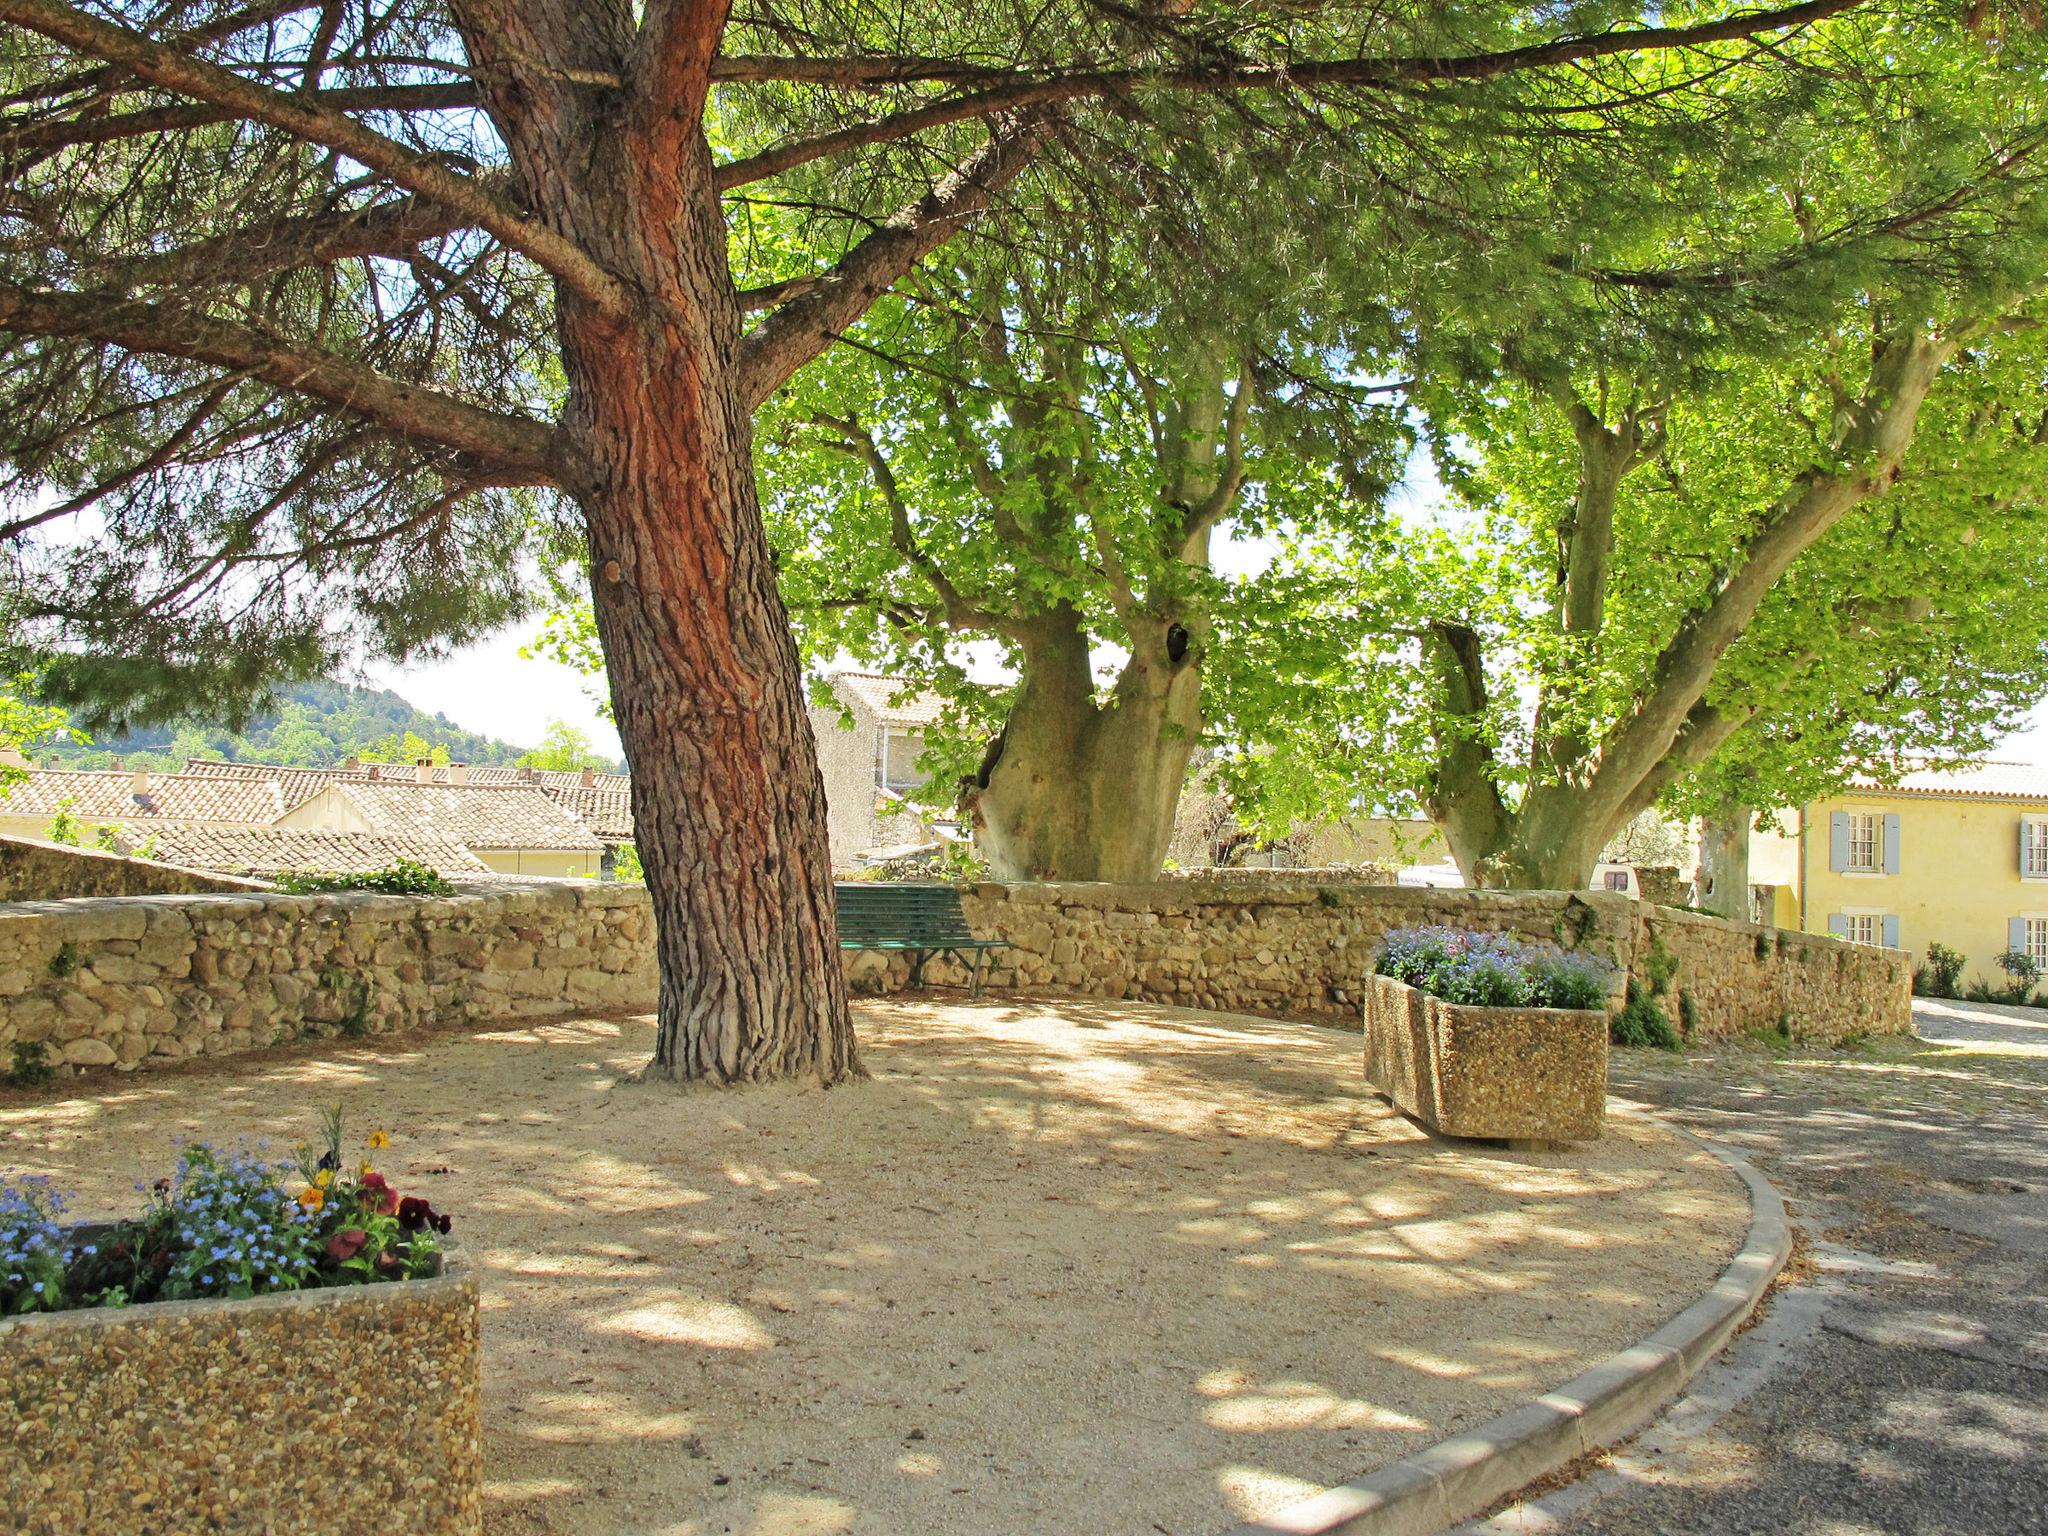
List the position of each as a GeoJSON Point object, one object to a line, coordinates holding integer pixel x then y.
{"type": "Point", "coordinates": [65, 961]}
{"type": "Point", "coordinates": [1688, 1014]}
{"type": "Point", "coordinates": [1943, 972]}
{"type": "Point", "coordinates": [406, 877]}
{"type": "Point", "coordinates": [31, 1067]}
{"type": "Point", "coordinates": [1642, 1023]}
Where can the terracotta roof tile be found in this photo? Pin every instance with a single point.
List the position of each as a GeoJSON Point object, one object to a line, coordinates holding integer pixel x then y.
{"type": "Point", "coordinates": [272, 850]}
{"type": "Point", "coordinates": [879, 694]}
{"type": "Point", "coordinates": [1974, 781]}
{"type": "Point", "coordinates": [606, 810]}
{"type": "Point", "coordinates": [476, 815]}
{"type": "Point", "coordinates": [108, 795]}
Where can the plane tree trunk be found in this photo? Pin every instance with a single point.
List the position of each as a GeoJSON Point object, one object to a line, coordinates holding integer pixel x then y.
{"type": "Point", "coordinates": [1724, 858]}
{"type": "Point", "coordinates": [1081, 788]}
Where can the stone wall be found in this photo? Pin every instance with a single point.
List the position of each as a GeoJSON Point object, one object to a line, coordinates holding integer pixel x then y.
{"type": "Point", "coordinates": [136, 981]}
{"type": "Point", "coordinates": [31, 871]}
{"type": "Point", "coordinates": [351, 1411]}
{"type": "Point", "coordinates": [1304, 949]}
{"type": "Point", "coordinates": [139, 980]}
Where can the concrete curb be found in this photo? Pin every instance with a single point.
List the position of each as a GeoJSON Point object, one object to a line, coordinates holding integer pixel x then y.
{"type": "Point", "coordinates": [1458, 1478]}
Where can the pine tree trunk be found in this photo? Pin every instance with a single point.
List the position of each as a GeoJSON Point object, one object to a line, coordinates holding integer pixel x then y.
{"type": "Point", "coordinates": [728, 801]}
{"type": "Point", "coordinates": [1087, 790]}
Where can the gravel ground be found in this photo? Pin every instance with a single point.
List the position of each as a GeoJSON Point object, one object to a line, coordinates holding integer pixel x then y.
{"type": "Point", "coordinates": [1904, 1390]}
{"type": "Point", "coordinates": [1059, 1266]}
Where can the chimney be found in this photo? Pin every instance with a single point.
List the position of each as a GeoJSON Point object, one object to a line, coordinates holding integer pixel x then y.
{"type": "Point", "coordinates": [11, 757]}
{"type": "Point", "coordinates": [138, 784]}
{"type": "Point", "coordinates": [458, 773]}
{"type": "Point", "coordinates": [530, 775]}
{"type": "Point", "coordinates": [116, 764]}
{"type": "Point", "coordinates": [589, 777]}
{"type": "Point", "coordinates": [375, 770]}
{"type": "Point", "coordinates": [351, 764]}
{"type": "Point", "coordinates": [423, 771]}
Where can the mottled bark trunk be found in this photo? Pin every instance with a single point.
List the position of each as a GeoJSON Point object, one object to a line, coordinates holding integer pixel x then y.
{"type": "Point", "coordinates": [1552, 843]}
{"type": "Point", "coordinates": [1724, 860]}
{"type": "Point", "coordinates": [728, 803]}
{"type": "Point", "coordinates": [1081, 789]}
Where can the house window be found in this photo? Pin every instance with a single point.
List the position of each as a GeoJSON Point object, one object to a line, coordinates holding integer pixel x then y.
{"type": "Point", "coordinates": [1616, 880]}
{"type": "Point", "coordinates": [1863, 842]}
{"type": "Point", "coordinates": [1866, 928]}
{"type": "Point", "coordinates": [2037, 942]}
{"type": "Point", "coordinates": [896, 760]}
{"type": "Point", "coordinates": [2034, 847]}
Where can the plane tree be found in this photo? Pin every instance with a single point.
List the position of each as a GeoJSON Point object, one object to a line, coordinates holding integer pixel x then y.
{"type": "Point", "coordinates": [323, 316]}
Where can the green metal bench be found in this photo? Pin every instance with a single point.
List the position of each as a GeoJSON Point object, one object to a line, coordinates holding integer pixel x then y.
{"type": "Point", "coordinates": [923, 919]}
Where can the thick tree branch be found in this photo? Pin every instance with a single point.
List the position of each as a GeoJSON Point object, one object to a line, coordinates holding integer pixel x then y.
{"type": "Point", "coordinates": [799, 330]}
{"type": "Point", "coordinates": [305, 117]}
{"type": "Point", "coordinates": [394, 229]}
{"type": "Point", "coordinates": [670, 72]}
{"type": "Point", "coordinates": [1463, 792]}
{"type": "Point", "coordinates": [962, 613]}
{"type": "Point", "coordinates": [44, 136]}
{"type": "Point", "coordinates": [1877, 433]}
{"type": "Point", "coordinates": [1304, 75]}
{"type": "Point", "coordinates": [516, 448]}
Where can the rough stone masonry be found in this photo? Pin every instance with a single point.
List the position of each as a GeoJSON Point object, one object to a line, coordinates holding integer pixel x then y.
{"type": "Point", "coordinates": [133, 981]}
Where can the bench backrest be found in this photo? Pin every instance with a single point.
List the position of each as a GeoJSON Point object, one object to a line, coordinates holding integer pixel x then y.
{"type": "Point", "coordinates": [899, 912]}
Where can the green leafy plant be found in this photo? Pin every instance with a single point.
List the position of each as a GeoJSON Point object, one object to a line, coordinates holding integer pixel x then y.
{"type": "Point", "coordinates": [2021, 974]}
{"type": "Point", "coordinates": [1490, 970]}
{"type": "Point", "coordinates": [31, 1067]}
{"type": "Point", "coordinates": [1688, 1014]}
{"type": "Point", "coordinates": [404, 877]}
{"type": "Point", "coordinates": [224, 1224]}
{"type": "Point", "coordinates": [1641, 1023]}
{"type": "Point", "coordinates": [1943, 972]}
{"type": "Point", "coordinates": [65, 961]}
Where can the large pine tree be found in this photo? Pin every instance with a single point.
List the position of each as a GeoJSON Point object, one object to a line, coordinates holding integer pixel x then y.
{"type": "Point", "coordinates": [318, 310]}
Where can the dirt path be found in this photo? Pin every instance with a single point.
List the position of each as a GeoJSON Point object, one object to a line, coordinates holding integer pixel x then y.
{"type": "Point", "coordinates": [1060, 1266]}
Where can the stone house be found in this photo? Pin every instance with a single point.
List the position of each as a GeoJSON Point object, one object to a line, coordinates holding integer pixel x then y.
{"type": "Point", "coordinates": [867, 752]}
{"type": "Point", "coordinates": [514, 829]}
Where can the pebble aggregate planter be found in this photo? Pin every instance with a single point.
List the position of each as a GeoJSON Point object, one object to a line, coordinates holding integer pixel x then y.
{"type": "Point", "coordinates": [1536, 1074]}
{"type": "Point", "coordinates": [339, 1411]}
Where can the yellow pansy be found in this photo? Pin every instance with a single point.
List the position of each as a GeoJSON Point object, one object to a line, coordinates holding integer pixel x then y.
{"type": "Point", "coordinates": [312, 1197]}
{"type": "Point", "coordinates": [323, 1178]}
{"type": "Point", "coordinates": [379, 1141]}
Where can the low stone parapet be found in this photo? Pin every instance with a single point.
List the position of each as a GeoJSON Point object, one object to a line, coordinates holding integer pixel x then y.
{"type": "Point", "coordinates": [351, 1411]}
{"type": "Point", "coordinates": [1534, 1074]}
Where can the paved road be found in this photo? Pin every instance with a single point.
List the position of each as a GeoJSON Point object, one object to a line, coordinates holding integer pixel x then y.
{"type": "Point", "coordinates": [1902, 1385]}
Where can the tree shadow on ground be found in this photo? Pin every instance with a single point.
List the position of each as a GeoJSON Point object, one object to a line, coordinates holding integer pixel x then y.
{"type": "Point", "coordinates": [1059, 1265]}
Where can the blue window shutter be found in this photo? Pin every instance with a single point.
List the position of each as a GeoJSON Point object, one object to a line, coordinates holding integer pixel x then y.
{"type": "Point", "coordinates": [1838, 925]}
{"type": "Point", "coordinates": [2016, 934]}
{"type": "Point", "coordinates": [1891, 931]}
{"type": "Point", "coordinates": [1891, 845]}
{"type": "Point", "coordinates": [1838, 842]}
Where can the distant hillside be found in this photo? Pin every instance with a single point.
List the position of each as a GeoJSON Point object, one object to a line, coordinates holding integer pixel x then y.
{"type": "Point", "coordinates": [315, 725]}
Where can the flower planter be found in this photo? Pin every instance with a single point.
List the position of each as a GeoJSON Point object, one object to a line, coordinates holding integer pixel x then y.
{"type": "Point", "coordinates": [1516, 1074]}
{"type": "Point", "coordinates": [336, 1411]}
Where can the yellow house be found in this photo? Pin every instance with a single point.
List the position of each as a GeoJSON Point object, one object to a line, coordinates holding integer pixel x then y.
{"type": "Point", "coordinates": [1955, 855]}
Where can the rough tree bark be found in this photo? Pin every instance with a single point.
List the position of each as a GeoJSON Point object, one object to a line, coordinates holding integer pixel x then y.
{"type": "Point", "coordinates": [1081, 788]}
{"type": "Point", "coordinates": [1724, 859]}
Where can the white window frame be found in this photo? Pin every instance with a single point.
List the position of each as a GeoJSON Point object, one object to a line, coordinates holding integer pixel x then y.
{"type": "Point", "coordinates": [1876, 846]}
{"type": "Point", "coordinates": [1854, 918]}
{"type": "Point", "coordinates": [2037, 939]}
{"type": "Point", "coordinates": [883, 736]}
{"type": "Point", "coordinates": [2034, 847]}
